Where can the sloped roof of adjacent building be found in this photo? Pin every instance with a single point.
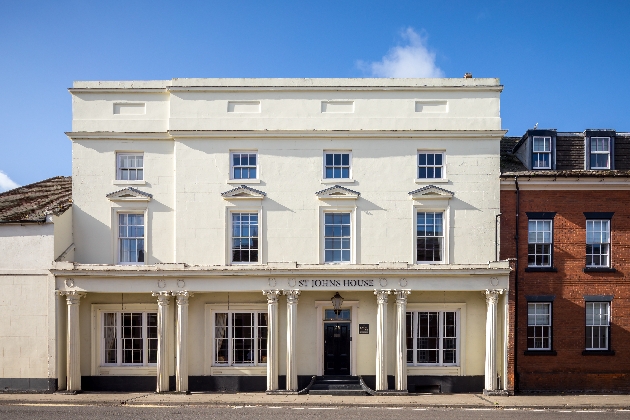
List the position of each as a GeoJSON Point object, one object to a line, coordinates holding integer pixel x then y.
{"type": "Point", "coordinates": [32, 203]}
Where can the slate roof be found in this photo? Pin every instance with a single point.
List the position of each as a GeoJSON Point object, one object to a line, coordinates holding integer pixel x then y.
{"type": "Point", "coordinates": [32, 203]}
{"type": "Point", "coordinates": [509, 161]}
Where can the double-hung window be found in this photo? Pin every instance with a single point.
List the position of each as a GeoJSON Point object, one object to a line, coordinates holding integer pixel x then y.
{"type": "Point", "coordinates": [598, 243]}
{"type": "Point", "coordinates": [337, 237]}
{"type": "Point", "coordinates": [539, 326]}
{"type": "Point", "coordinates": [129, 338]}
{"type": "Point", "coordinates": [337, 165]}
{"type": "Point", "coordinates": [433, 338]}
{"type": "Point", "coordinates": [429, 237]}
{"type": "Point", "coordinates": [130, 166]}
{"type": "Point", "coordinates": [430, 165]}
{"type": "Point", "coordinates": [130, 238]}
{"type": "Point", "coordinates": [600, 153]}
{"type": "Point", "coordinates": [244, 165]}
{"type": "Point", "coordinates": [240, 338]}
{"type": "Point", "coordinates": [539, 243]}
{"type": "Point", "coordinates": [245, 237]}
{"type": "Point", "coordinates": [597, 325]}
{"type": "Point", "coordinates": [541, 156]}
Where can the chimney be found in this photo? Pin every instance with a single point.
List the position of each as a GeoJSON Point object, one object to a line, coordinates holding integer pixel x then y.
{"type": "Point", "coordinates": [468, 76]}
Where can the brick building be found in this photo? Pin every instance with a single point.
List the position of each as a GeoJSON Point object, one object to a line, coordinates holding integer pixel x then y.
{"type": "Point", "coordinates": [568, 195]}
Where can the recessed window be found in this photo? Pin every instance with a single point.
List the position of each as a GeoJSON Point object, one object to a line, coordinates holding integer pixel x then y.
{"type": "Point", "coordinates": [337, 165]}
{"type": "Point", "coordinates": [244, 237]}
{"type": "Point", "coordinates": [541, 156]}
{"type": "Point", "coordinates": [430, 165]}
{"type": "Point", "coordinates": [129, 338]}
{"type": "Point", "coordinates": [598, 243]}
{"type": "Point", "coordinates": [130, 238]}
{"type": "Point", "coordinates": [240, 338]}
{"type": "Point", "coordinates": [600, 153]}
{"type": "Point", "coordinates": [130, 166]}
{"type": "Point", "coordinates": [597, 325]}
{"type": "Point", "coordinates": [539, 326]}
{"type": "Point", "coordinates": [337, 236]}
{"type": "Point", "coordinates": [244, 165]}
{"type": "Point", "coordinates": [429, 237]}
{"type": "Point", "coordinates": [433, 338]}
{"type": "Point", "coordinates": [539, 243]}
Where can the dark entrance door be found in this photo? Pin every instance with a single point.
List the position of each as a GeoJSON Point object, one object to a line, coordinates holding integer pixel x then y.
{"type": "Point", "coordinates": [336, 348]}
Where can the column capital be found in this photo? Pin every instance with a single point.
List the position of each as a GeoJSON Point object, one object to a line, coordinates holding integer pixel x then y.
{"type": "Point", "coordinates": [401, 295]}
{"type": "Point", "coordinates": [72, 296]}
{"type": "Point", "coordinates": [381, 295]}
{"type": "Point", "coordinates": [292, 296]}
{"type": "Point", "coordinates": [164, 298]}
{"type": "Point", "coordinates": [492, 295]}
{"type": "Point", "coordinates": [182, 296]}
{"type": "Point", "coordinates": [272, 295]}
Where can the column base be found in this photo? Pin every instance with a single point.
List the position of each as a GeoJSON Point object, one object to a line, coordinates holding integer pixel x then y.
{"type": "Point", "coordinates": [66, 392]}
{"type": "Point", "coordinates": [281, 392]}
{"type": "Point", "coordinates": [392, 392]}
{"type": "Point", "coordinates": [497, 392]}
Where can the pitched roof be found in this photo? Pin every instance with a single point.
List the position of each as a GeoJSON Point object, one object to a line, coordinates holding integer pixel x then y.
{"type": "Point", "coordinates": [33, 202]}
{"type": "Point", "coordinates": [509, 161]}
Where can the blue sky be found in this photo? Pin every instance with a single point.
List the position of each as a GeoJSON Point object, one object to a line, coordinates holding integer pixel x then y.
{"type": "Point", "coordinates": [564, 64]}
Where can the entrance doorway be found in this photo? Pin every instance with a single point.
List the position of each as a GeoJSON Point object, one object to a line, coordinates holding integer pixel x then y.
{"type": "Point", "coordinates": [337, 342]}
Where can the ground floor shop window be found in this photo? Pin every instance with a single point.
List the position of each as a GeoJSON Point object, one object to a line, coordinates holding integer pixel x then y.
{"type": "Point", "coordinates": [129, 338]}
{"type": "Point", "coordinates": [433, 338]}
{"type": "Point", "coordinates": [240, 338]}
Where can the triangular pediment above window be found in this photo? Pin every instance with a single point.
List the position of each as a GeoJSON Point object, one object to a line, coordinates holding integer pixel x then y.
{"type": "Point", "coordinates": [129, 194]}
{"type": "Point", "coordinates": [243, 192]}
{"type": "Point", "coordinates": [337, 191]}
{"type": "Point", "coordinates": [430, 191]}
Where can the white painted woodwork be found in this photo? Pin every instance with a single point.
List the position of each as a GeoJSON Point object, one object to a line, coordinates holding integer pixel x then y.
{"type": "Point", "coordinates": [401, 339]}
{"type": "Point", "coordinates": [381, 340]}
{"type": "Point", "coordinates": [73, 345]}
{"type": "Point", "coordinates": [292, 301]}
{"type": "Point", "coordinates": [181, 341]}
{"type": "Point", "coordinates": [492, 299]}
{"type": "Point", "coordinates": [272, 338]}
{"type": "Point", "coordinates": [164, 300]}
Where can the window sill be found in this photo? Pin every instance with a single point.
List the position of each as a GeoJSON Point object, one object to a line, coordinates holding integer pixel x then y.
{"type": "Point", "coordinates": [431, 181]}
{"type": "Point", "coordinates": [126, 370]}
{"type": "Point", "coordinates": [123, 182]}
{"type": "Point", "coordinates": [541, 270]}
{"type": "Point", "coordinates": [598, 353]}
{"type": "Point", "coordinates": [337, 181]}
{"type": "Point", "coordinates": [243, 181]}
{"type": "Point", "coordinates": [540, 353]}
{"type": "Point", "coordinates": [599, 270]}
{"type": "Point", "coordinates": [130, 263]}
{"type": "Point", "coordinates": [259, 370]}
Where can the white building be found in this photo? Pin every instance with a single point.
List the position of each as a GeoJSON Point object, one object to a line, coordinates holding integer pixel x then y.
{"type": "Point", "coordinates": [214, 220]}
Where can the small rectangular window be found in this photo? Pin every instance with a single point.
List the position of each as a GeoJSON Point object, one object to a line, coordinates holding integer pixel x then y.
{"type": "Point", "coordinates": [244, 237]}
{"type": "Point", "coordinates": [598, 243]}
{"type": "Point", "coordinates": [240, 338]}
{"type": "Point", "coordinates": [337, 165]}
{"type": "Point", "coordinates": [129, 338]}
{"type": "Point", "coordinates": [432, 338]}
{"type": "Point", "coordinates": [541, 156]}
{"type": "Point", "coordinates": [597, 325]}
{"type": "Point", "coordinates": [337, 237]}
{"type": "Point", "coordinates": [429, 237]}
{"type": "Point", "coordinates": [430, 165]}
{"type": "Point", "coordinates": [130, 238]}
{"type": "Point", "coordinates": [130, 166]}
{"type": "Point", "coordinates": [600, 153]}
{"type": "Point", "coordinates": [244, 165]}
{"type": "Point", "coordinates": [539, 326]}
{"type": "Point", "coordinates": [539, 243]}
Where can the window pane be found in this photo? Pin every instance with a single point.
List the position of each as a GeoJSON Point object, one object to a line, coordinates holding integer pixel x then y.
{"type": "Point", "coordinates": [244, 237]}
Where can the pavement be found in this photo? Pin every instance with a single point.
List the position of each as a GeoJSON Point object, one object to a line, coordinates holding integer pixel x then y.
{"type": "Point", "coordinates": [469, 401]}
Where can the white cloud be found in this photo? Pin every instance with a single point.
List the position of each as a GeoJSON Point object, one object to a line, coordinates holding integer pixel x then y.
{"type": "Point", "coordinates": [6, 183]}
{"type": "Point", "coordinates": [411, 60]}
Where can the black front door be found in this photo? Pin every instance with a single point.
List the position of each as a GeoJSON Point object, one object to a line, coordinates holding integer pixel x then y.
{"type": "Point", "coordinates": [336, 348]}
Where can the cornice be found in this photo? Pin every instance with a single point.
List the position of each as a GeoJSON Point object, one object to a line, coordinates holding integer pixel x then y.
{"type": "Point", "coordinates": [483, 88]}
{"type": "Point", "coordinates": [117, 90]}
{"type": "Point", "coordinates": [376, 134]}
{"type": "Point", "coordinates": [111, 135]}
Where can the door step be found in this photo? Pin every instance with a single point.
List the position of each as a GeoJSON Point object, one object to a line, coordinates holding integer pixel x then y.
{"type": "Point", "coordinates": [337, 385]}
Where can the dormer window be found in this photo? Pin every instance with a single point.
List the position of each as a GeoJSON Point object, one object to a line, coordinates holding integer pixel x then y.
{"type": "Point", "coordinates": [600, 153]}
{"type": "Point", "coordinates": [541, 152]}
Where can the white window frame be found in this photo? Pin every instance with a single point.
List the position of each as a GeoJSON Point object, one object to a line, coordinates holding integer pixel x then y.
{"type": "Point", "coordinates": [353, 232]}
{"type": "Point", "coordinates": [232, 179]}
{"type": "Point", "coordinates": [442, 166]}
{"type": "Point", "coordinates": [608, 244]}
{"type": "Point", "coordinates": [122, 210]}
{"type": "Point", "coordinates": [599, 152]}
{"type": "Point", "coordinates": [607, 325]}
{"type": "Point", "coordinates": [98, 348]}
{"type": "Point", "coordinates": [258, 369]}
{"type": "Point", "coordinates": [444, 234]}
{"type": "Point", "coordinates": [550, 243]}
{"type": "Point", "coordinates": [537, 152]}
{"type": "Point", "coordinates": [337, 180]}
{"type": "Point", "coordinates": [228, 236]}
{"type": "Point", "coordinates": [536, 324]}
{"type": "Point", "coordinates": [119, 179]}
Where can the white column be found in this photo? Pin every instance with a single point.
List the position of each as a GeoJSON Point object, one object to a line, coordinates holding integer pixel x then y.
{"type": "Point", "coordinates": [401, 339]}
{"type": "Point", "coordinates": [181, 341]}
{"type": "Point", "coordinates": [73, 347]}
{"type": "Point", "coordinates": [164, 299]}
{"type": "Point", "coordinates": [492, 298]}
{"type": "Point", "coordinates": [292, 301]}
{"type": "Point", "coordinates": [272, 339]}
{"type": "Point", "coordinates": [381, 340]}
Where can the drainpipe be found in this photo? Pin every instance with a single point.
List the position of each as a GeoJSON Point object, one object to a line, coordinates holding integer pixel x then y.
{"type": "Point", "coordinates": [516, 378]}
{"type": "Point", "coordinates": [496, 236]}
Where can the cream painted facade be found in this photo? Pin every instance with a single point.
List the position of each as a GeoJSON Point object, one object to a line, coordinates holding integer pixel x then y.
{"type": "Point", "coordinates": [186, 131]}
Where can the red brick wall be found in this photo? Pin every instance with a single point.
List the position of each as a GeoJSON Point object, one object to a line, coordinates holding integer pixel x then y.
{"type": "Point", "coordinates": [569, 369]}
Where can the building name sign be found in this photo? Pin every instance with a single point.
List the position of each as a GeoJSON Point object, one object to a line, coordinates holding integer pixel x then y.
{"type": "Point", "coordinates": [321, 283]}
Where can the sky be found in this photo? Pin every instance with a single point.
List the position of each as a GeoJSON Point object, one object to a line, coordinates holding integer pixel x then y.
{"type": "Point", "coordinates": [563, 64]}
